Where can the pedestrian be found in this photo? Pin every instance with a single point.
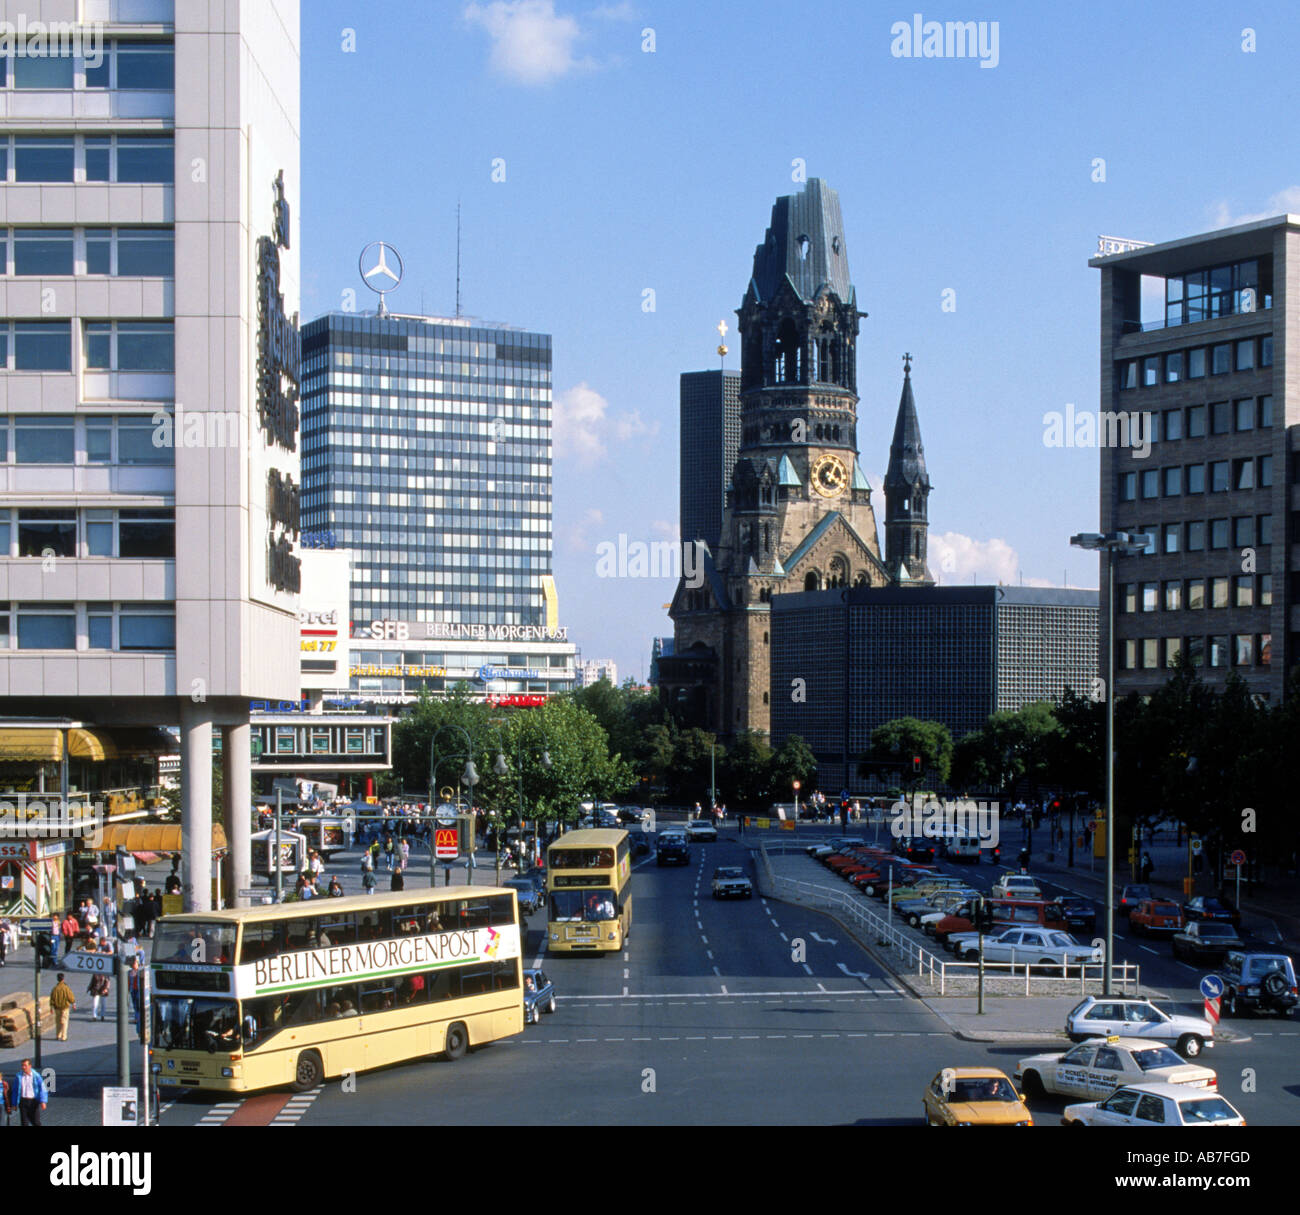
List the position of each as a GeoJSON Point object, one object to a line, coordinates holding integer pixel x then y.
{"type": "Point", "coordinates": [390, 853]}
{"type": "Point", "coordinates": [63, 1002]}
{"type": "Point", "coordinates": [368, 880]}
{"type": "Point", "coordinates": [71, 929]}
{"type": "Point", "coordinates": [1147, 867]}
{"type": "Point", "coordinates": [335, 890]}
{"type": "Point", "coordinates": [97, 990]}
{"type": "Point", "coordinates": [4, 939]}
{"type": "Point", "coordinates": [398, 882]}
{"type": "Point", "coordinates": [173, 882]}
{"type": "Point", "coordinates": [317, 866]}
{"type": "Point", "coordinates": [92, 920]}
{"type": "Point", "coordinates": [155, 908]}
{"type": "Point", "coordinates": [29, 1094]}
{"type": "Point", "coordinates": [406, 851]}
{"type": "Point", "coordinates": [367, 862]}
{"type": "Point", "coordinates": [108, 920]}
{"type": "Point", "coordinates": [134, 979]}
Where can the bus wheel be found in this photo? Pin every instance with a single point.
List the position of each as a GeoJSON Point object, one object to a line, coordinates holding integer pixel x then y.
{"type": "Point", "coordinates": [457, 1041]}
{"type": "Point", "coordinates": [309, 1073]}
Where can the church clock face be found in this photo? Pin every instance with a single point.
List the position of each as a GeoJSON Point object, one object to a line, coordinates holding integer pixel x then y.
{"type": "Point", "coordinates": [830, 477]}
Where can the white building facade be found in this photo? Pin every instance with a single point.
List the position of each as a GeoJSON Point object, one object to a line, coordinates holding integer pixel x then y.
{"type": "Point", "coordinates": [148, 402]}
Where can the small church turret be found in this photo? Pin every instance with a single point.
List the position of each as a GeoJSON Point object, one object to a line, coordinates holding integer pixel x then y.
{"type": "Point", "coordinates": [907, 489]}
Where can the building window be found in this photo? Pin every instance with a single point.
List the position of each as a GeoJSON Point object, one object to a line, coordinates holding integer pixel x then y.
{"type": "Point", "coordinates": [146, 533]}
{"type": "Point", "coordinates": [1173, 596]}
{"type": "Point", "coordinates": [143, 159]}
{"type": "Point", "coordinates": [1195, 594]}
{"type": "Point", "coordinates": [1171, 537]}
{"type": "Point", "coordinates": [1150, 372]}
{"type": "Point", "coordinates": [1265, 472]}
{"type": "Point", "coordinates": [47, 533]}
{"type": "Point", "coordinates": [1173, 424]}
{"type": "Point", "coordinates": [1243, 474]}
{"type": "Point", "coordinates": [1196, 363]}
{"type": "Point", "coordinates": [1265, 412]}
{"type": "Point", "coordinates": [43, 71]}
{"type": "Point", "coordinates": [1243, 591]}
{"type": "Point", "coordinates": [1173, 478]}
{"type": "Point", "coordinates": [1266, 351]}
{"type": "Point", "coordinates": [1196, 478]}
{"type": "Point", "coordinates": [1196, 536]}
{"type": "Point", "coordinates": [1150, 596]}
{"type": "Point", "coordinates": [1151, 483]}
{"type": "Point", "coordinates": [1128, 375]}
{"type": "Point", "coordinates": [1219, 651]}
{"type": "Point", "coordinates": [44, 158]}
{"type": "Point", "coordinates": [1243, 531]}
{"type": "Point", "coordinates": [1265, 529]}
{"type": "Point", "coordinates": [43, 251]}
{"type": "Point", "coordinates": [1128, 487]}
{"type": "Point", "coordinates": [1128, 597]}
{"type": "Point", "coordinates": [1221, 360]}
{"type": "Point", "coordinates": [47, 626]}
{"type": "Point", "coordinates": [1128, 657]}
{"type": "Point", "coordinates": [1265, 590]}
{"type": "Point", "coordinates": [1264, 648]}
{"type": "Point", "coordinates": [42, 345]}
{"type": "Point", "coordinates": [1246, 355]}
{"type": "Point", "coordinates": [1219, 476]}
{"type": "Point", "coordinates": [1218, 533]}
{"type": "Point", "coordinates": [1173, 648]}
{"type": "Point", "coordinates": [1218, 592]}
{"type": "Point", "coordinates": [1174, 369]}
{"type": "Point", "coordinates": [99, 626]}
{"type": "Point", "coordinates": [1220, 418]}
{"type": "Point", "coordinates": [130, 346]}
{"type": "Point", "coordinates": [43, 439]}
{"type": "Point", "coordinates": [1196, 422]}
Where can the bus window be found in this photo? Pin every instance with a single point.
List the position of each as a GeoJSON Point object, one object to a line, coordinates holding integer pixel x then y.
{"type": "Point", "coordinates": [439, 984]}
{"type": "Point", "coordinates": [378, 996]}
{"type": "Point", "coordinates": [300, 934]}
{"type": "Point", "coordinates": [412, 990]}
{"type": "Point", "coordinates": [369, 929]}
{"type": "Point", "coordinates": [475, 980]}
{"type": "Point", "coordinates": [194, 942]}
{"type": "Point", "coordinates": [433, 922]}
{"type": "Point", "coordinates": [337, 930]}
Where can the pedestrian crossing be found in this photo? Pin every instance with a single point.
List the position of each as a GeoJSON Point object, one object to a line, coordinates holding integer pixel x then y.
{"type": "Point", "coordinates": [217, 1114]}
{"type": "Point", "coordinates": [296, 1107]}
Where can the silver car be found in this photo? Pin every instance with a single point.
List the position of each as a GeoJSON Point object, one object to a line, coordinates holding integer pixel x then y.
{"type": "Point", "coordinates": [1100, 1016]}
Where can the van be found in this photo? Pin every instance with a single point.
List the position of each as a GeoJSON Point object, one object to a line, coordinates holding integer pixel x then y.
{"type": "Point", "coordinates": [962, 847]}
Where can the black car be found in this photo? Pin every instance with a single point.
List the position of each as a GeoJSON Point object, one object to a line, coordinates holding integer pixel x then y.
{"type": "Point", "coordinates": [639, 838]}
{"type": "Point", "coordinates": [1258, 982]}
{"type": "Point", "coordinates": [673, 849]}
{"type": "Point", "coordinates": [1131, 896]}
{"type": "Point", "coordinates": [915, 848]}
{"type": "Point", "coordinates": [1205, 941]}
{"type": "Point", "coordinates": [1079, 913]}
{"type": "Point", "coordinates": [1205, 907]}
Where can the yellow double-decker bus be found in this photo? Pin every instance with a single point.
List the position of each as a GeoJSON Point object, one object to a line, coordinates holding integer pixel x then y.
{"type": "Point", "coordinates": [296, 993]}
{"type": "Point", "coordinates": [588, 892]}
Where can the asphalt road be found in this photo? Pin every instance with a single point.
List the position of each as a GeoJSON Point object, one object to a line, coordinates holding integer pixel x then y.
{"type": "Point", "coordinates": [747, 1012]}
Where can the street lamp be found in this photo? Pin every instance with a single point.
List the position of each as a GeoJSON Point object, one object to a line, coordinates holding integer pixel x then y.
{"type": "Point", "coordinates": [1113, 544]}
{"type": "Point", "coordinates": [469, 778]}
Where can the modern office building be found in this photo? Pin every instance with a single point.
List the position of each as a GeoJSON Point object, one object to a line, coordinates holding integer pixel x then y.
{"type": "Point", "coordinates": [148, 415]}
{"type": "Point", "coordinates": [845, 662]}
{"type": "Point", "coordinates": [589, 673]}
{"type": "Point", "coordinates": [427, 454]}
{"type": "Point", "coordinates": [1200, 400]}
{"type": "Point", "coordinates": [710, 439]}
{"type": "Point", "coordinates": [661, 647]}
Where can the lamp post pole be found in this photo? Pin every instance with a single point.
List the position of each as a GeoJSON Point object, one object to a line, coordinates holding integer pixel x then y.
{"type": "Point", "coordinates": [1112, 544]}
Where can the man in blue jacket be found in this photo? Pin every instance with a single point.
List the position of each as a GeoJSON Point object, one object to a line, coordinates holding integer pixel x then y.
{"type": "Point", "coordinates": [28, 1094]}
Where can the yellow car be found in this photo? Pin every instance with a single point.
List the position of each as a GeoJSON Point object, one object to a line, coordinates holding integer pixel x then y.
{"type": "Point", "coordinates": [974, 1096]}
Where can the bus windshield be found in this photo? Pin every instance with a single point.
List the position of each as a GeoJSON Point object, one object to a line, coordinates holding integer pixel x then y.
{"type": "Point", "coordinates": [196, 1024]}
{"type": "Point", "coordinates": [578, 905]}
{"type": "Point", "coordinates": [582, 858]}
{"type": "Point", "coordinates": [193, 941]}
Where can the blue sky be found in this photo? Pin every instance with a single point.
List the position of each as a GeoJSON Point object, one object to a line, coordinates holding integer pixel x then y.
{"type": "Point", "coordinates": [626, 170]}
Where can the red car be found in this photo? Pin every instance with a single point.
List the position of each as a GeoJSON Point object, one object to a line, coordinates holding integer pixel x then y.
{"type": "Point", "coordinates": [1155, 915]}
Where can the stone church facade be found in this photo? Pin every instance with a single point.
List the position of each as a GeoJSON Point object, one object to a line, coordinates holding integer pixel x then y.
{"type": "Point", "coordinates": [799, 513]}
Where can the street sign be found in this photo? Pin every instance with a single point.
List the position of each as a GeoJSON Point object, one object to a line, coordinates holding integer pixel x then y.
{"type": "Point", "coordinates": [38, 925]}
{"type": "Point", "coordinates": [446, 842]}
{"type": "Point", "coordinates": [1211, 987]}
{"type": "Point", "coordinates": [265, 893]}
{"type": "Point", "coordinates": [1238, 857]}
{"type": "Point", "coordinates": [90, 963]}
{"type": "Point", "coordinates": [1196, 847]}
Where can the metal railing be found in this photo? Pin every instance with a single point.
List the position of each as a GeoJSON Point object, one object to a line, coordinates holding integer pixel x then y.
{"type": "Point", "coordinates": [938, 971]}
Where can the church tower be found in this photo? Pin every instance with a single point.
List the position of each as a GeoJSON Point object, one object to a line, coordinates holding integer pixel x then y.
{"type": "Point", "coordinates": [798, 514]}
{"type": "Point", "coordinates": [907, 490]}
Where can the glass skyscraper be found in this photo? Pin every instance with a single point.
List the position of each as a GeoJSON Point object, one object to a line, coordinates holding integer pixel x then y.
{"type": "Point", "coordinates": [427, 453]}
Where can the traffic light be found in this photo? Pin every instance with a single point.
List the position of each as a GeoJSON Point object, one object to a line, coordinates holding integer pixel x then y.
{"type": "Point", "coordinates": [916, 765]}
{"type": "Point", "coordinates": [983, 916]}
{"type": "Point", "coordinates": [44, 945]}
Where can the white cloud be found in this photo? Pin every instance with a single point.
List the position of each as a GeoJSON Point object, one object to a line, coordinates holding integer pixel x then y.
{"type": "Point", "coordinates": [531, 42]}
{"type": "Point", "coordinates": [585, 428]}
{"type": "Point", "coordinates": [615, 12]}
{"type": "Point", "coordinates": [1287, 200]}
{"type": "Point", "coordinates": [579, 534]}
{"type": "Point", "coordinates": [665, 528]}
{"type": "Point", "coordinates": [957, 560]}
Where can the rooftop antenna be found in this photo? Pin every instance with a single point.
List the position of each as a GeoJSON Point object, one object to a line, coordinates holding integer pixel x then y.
{"type": "Point", "coordinates": [458, 259]}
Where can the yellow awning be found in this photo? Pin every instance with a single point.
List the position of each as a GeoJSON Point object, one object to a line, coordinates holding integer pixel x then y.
{"type": "Point", "coordinates": [151, 837]}
{"type": "Point", "coordinates": [45, 745]}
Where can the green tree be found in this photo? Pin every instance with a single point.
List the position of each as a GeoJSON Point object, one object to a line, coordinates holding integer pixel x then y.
{"type": "Point", "coordinates": [793, 762]}
{"type": "Point", "coordinates": [745, 776]}
{"type": "Point", "coordinates": [894, 744]}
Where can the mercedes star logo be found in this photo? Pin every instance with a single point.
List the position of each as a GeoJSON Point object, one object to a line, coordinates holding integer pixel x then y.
{"type": "Point", "coordinates": [378, 274]}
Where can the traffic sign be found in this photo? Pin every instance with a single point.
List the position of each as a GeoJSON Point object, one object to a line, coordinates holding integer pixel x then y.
{"type": "Point", "coordinates": [41, 924]}
{"type": "Point", "coordinates": [1212, 1011]}
{"type": "Point", "coordinates": [1238, 857]}
{"type": "Point", "coordinates": [1196, 847]}
{"type": "Point", "coordinates": [90, 963]}
{"type": "Point", "coordinates": [446, 842]}
{"type": "Point", "coordinates": [1211, 987]}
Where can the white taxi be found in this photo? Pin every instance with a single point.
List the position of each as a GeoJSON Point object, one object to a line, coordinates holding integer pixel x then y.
{"type": "Point", "coordinates": [1155, 1105]}
{"type": "Point", "coordinates": [1099, 1066]}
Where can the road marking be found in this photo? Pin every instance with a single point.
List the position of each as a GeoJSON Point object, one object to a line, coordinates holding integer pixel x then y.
{"type": "Point", "coordinates": [624, 991]}
{"type": "Point", "coordinates": [625, 972]}
{"type": "Point", "coordinates": [612, 1039]}
{"type": "Point", "coordinates": [856, 994]}
{"type": "Point", "coordinates": [722, 1037]}
{"type": "Point", "coordinates": [724, 989]}
{"type": "Point", "coordinates": [785, 938]}
{"type": "Point", "coordinates": [1147, 948]}
{"type": "Point", "coordinates": [697, 1038]}
{"type": "Point", "coordinates": [853, 974]}
{"type": "Point", "coordinates": [774, 923]}
{"type": "Point", "coordinates": [717, 972]}
{"type": "Point", "coordinates": [750, 1037]}
{"type": "Point", "coordinates": [710, 953]}
{"type": "Point", "coordinates": [821, 987]}
{"type": "Point", "coordinates": [807, 968]}
{"type": "Point", "coordinates": [823, 940]}
{"type": "Point", "coordinates": [704, 938]}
